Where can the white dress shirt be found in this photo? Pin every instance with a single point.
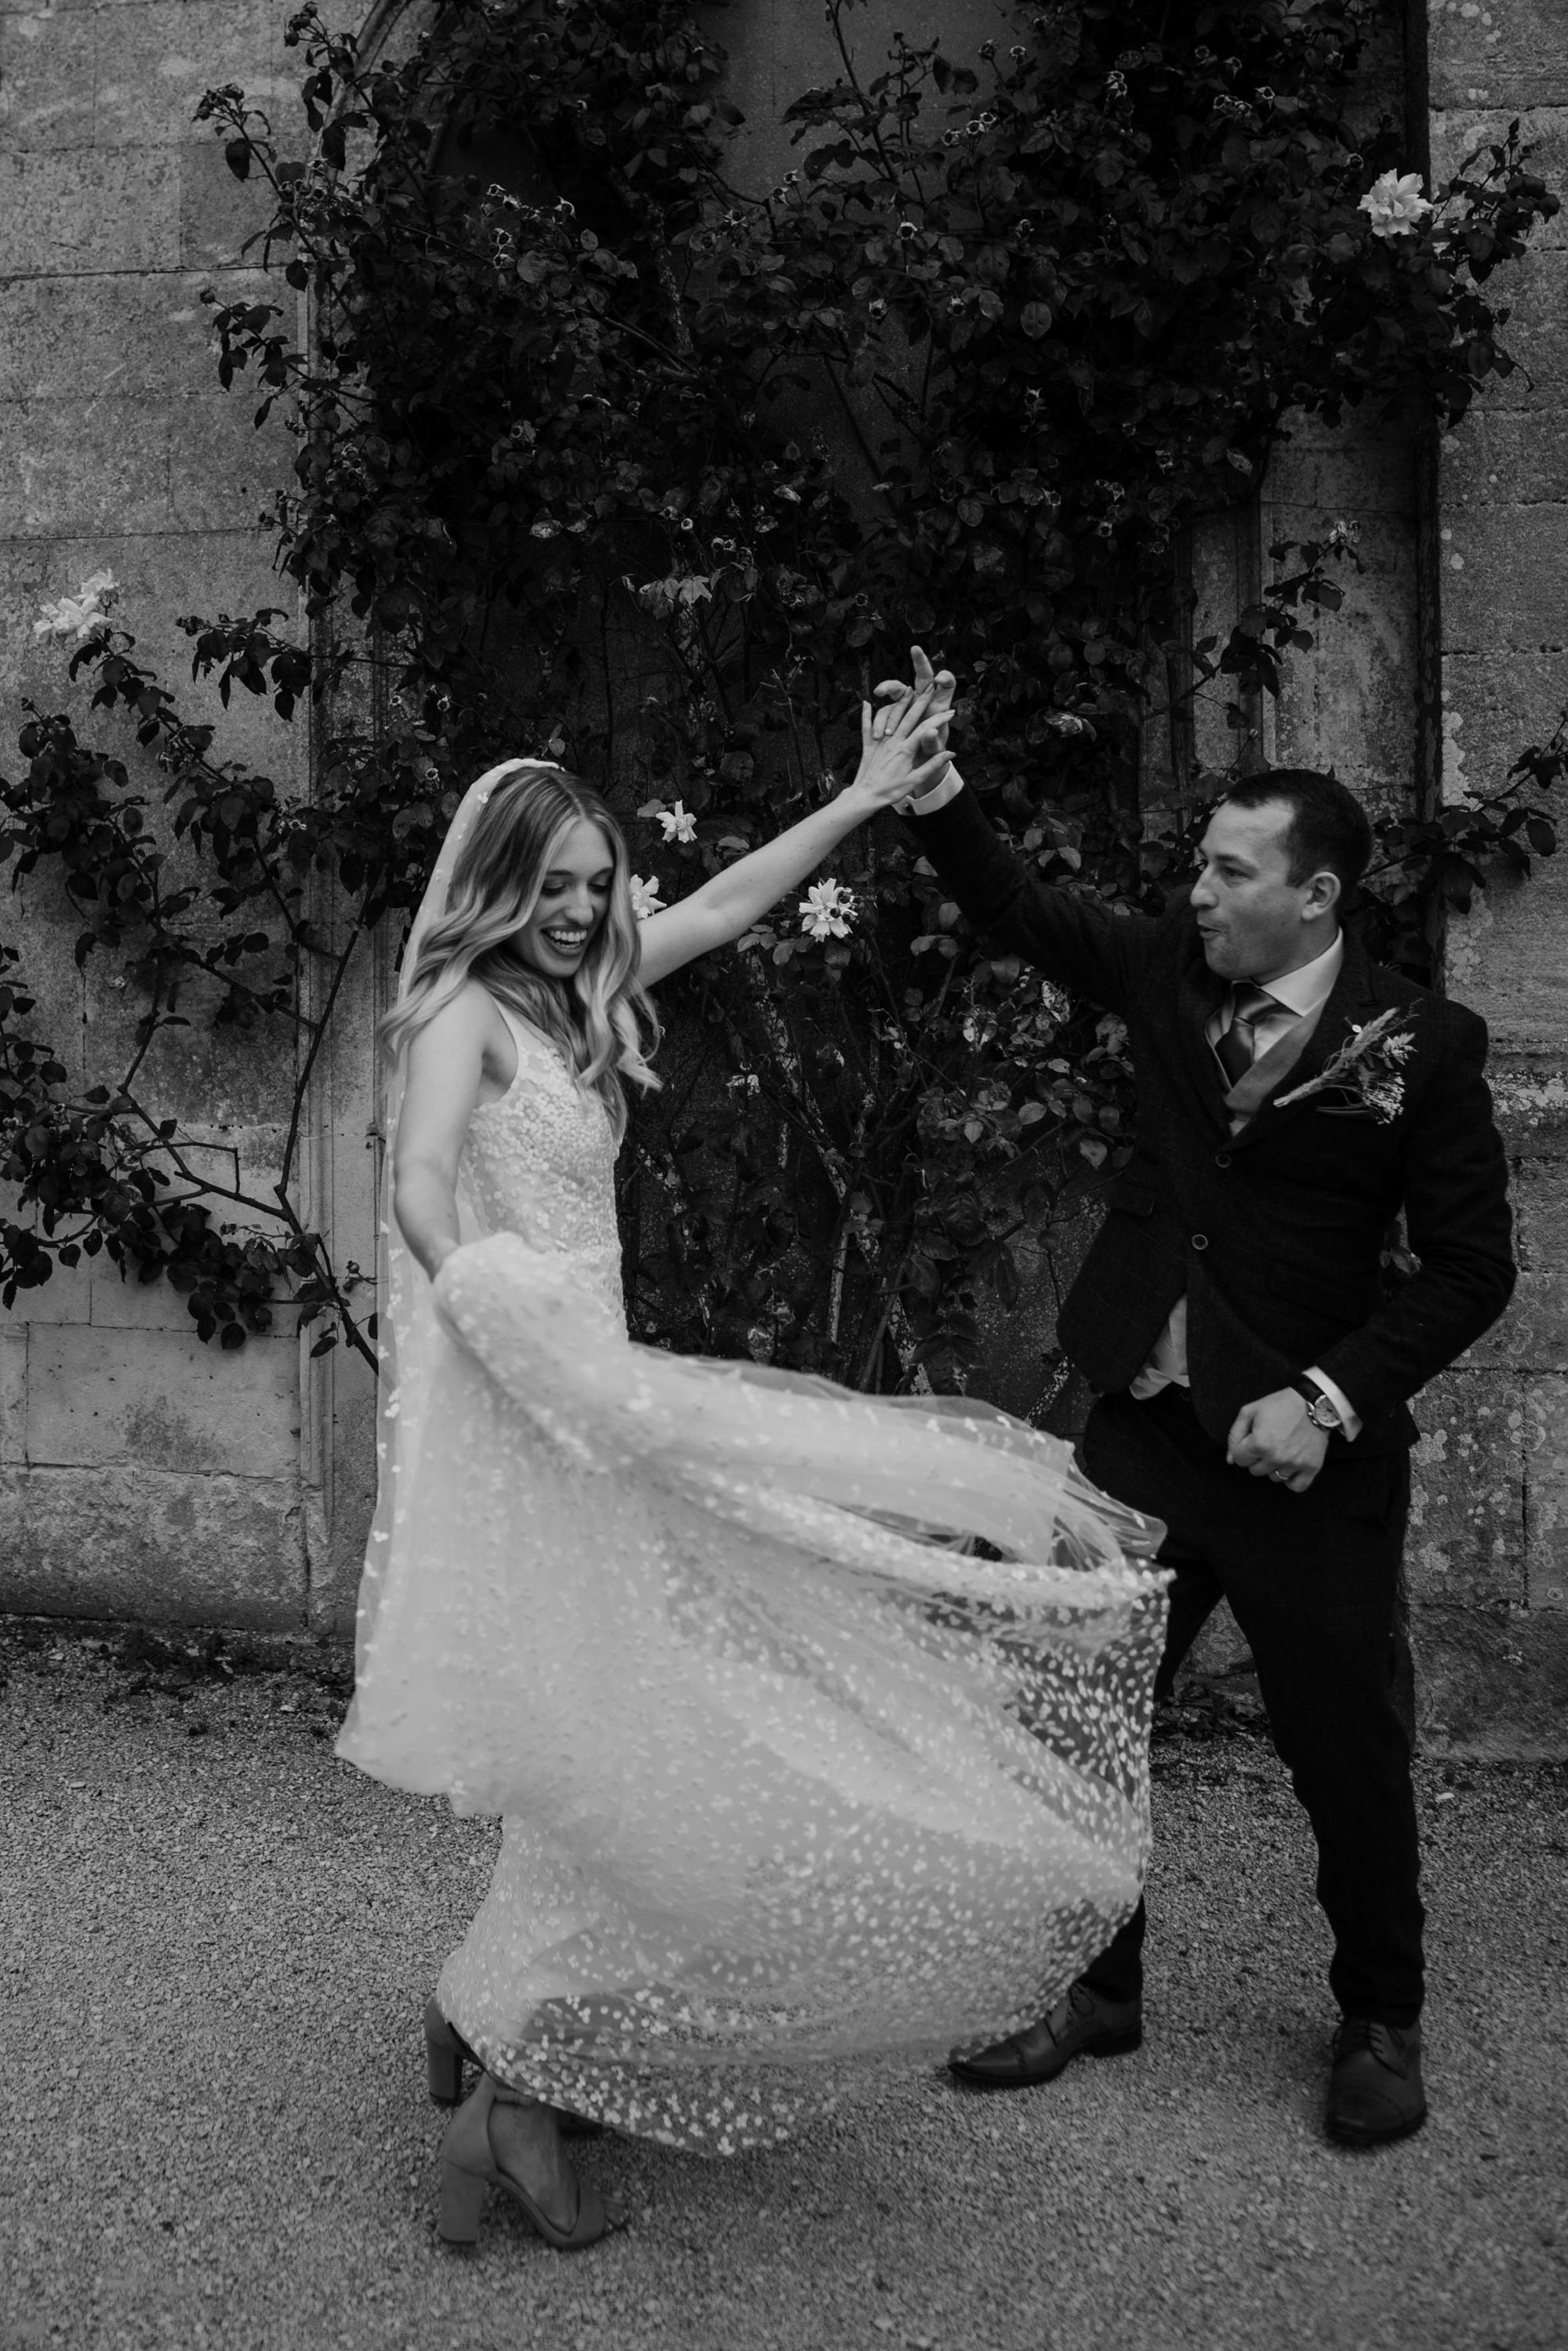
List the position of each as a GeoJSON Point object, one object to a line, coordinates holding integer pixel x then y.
{"type": "Point", "coordinates": [1298, 994]}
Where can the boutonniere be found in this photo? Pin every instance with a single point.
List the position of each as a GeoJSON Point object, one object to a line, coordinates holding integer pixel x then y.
{"type": "Point", "coordinates": [1369, 1065]}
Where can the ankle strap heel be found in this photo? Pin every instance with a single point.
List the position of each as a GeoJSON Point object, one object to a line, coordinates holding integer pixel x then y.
{"type": "Point", "coordinates": [462, 2206]}
{"type": "Point", "coordinates": [468, 2166]}
{"type": "Point", "coordinates": [446, 2053]}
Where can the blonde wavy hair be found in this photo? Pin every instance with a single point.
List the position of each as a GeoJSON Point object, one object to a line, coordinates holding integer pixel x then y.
{"type": "Point", "coordinates": [601, 1019]}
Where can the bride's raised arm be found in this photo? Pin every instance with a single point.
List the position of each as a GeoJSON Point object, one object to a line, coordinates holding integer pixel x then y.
{"type": "Point", "coordinates": [908, 757]}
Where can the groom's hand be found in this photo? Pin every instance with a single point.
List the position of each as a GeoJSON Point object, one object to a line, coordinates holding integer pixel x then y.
{"type": "Point", "coordinates": [1274, 1439]}
{"type": "Point", "coordinates": [940, 683]}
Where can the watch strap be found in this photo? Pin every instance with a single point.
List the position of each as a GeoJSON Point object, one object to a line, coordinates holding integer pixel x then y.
{"type": "Point", "coordinates": [1316, 1397]}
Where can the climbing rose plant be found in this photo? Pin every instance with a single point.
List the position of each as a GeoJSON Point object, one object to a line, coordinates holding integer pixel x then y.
{"type": "Point", "coordinates": [597, 457]}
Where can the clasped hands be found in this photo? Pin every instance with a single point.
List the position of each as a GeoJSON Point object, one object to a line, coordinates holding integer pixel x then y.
{"type": "Point", "coordinates": [927, 703]}
{"type": "Point", "coordinates": [903, 742]}
{"type": "Point", "coordinates": [904, 746]}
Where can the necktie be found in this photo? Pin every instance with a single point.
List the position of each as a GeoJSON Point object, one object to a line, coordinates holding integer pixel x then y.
{"type": "Point", "coordinates": [1236, 1047]}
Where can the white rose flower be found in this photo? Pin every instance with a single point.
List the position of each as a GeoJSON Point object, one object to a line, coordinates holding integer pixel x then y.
{"type": "Point", "coordinates": [1395, 204]}
{"type": "Point", "coordinates": [678, 822]}
{"type": "Point", "coordinates": [826, 911]}
{"type": "Point", "coordinates": [645, 898]}
{"type": "Point", "coordinates": [82, 615]}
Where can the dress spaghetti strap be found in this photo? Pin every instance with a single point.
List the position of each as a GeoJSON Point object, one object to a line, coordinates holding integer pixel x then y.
{"type": "Point", "coordinates": [530, 1044]}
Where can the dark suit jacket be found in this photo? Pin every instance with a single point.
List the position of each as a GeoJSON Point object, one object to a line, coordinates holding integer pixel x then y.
{"type": "Point", "coordinates": [1274, 1234]}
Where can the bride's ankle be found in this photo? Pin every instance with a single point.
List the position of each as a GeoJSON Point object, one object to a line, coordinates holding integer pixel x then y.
{"type": "Point", "coordinates": [505, 2095]}
{"type": "Point", "coordinates": [523, 2122]}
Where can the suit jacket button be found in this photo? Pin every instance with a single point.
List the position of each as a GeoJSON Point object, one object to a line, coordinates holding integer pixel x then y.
{"type": "Point", "coordinates": [1200, 1240]}
{"type": "Point", "coordinates": [1222, 1158]}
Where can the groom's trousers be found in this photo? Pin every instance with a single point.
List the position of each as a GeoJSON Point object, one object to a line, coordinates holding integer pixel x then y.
{"type": "Point", "coordinates": [1313, 1580]}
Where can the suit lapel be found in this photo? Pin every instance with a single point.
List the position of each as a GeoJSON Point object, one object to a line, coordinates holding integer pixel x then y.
{"type": "Point", "coordinates": [1350, 1001]}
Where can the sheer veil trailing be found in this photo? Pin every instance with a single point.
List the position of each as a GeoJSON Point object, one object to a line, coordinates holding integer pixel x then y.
{"type": "Point", "coordinates": [407, 1328]}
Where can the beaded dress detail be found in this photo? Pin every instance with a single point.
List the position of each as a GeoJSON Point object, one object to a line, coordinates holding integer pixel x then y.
{"type": "Point", "coordinates": [792, 1768]}
{"type": "Point", "coordinates": [541, 1161]}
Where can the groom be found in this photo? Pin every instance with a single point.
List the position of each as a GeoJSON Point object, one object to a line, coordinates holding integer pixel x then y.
{"type": "Point", "coordinates": [1254, 1371]}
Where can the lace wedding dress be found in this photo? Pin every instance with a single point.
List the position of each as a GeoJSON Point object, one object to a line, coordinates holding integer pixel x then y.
{"type": "Point", "coordinates": [789, 1771]}
{"type": "Point", "coordinates": [783, 1778]}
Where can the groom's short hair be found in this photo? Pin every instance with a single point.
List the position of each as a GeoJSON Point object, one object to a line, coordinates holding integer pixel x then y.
{"type": "Point", "coordinates": [1328, 825]}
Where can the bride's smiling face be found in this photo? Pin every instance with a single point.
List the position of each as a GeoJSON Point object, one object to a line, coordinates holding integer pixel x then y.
{"type": "Point", "coordinates": [572, 902]}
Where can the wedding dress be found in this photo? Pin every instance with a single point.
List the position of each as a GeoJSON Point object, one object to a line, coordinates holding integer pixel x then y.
{"type": "Point", "coordinates": [789, 1770]}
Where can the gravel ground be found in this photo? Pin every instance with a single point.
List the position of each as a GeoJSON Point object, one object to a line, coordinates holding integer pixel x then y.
{"type": "Point", "coordinates": [216, 1940]}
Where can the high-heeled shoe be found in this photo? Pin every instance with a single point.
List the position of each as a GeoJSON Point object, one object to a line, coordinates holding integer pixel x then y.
{"type": "Point", "coordinates": [445, 2055]}
{"type": "Point", "coordinates": [468, 2166]}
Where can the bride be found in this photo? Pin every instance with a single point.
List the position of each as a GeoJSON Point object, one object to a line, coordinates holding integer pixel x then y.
{"type": "Point", "coordinates": [792, 1768]}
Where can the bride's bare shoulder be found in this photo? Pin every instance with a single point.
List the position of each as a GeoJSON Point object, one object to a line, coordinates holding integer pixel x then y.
{"type": "Point", "coordinates": [469, 1027]}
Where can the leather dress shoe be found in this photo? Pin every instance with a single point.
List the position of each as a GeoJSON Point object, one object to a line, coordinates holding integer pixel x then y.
{"type": "Point", "coordinates": [1375, 2089]}
{"type": "Point", "coordinates": [1082, 2024]}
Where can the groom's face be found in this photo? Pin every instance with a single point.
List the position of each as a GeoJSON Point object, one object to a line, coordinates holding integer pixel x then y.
{"type": "Point", "coordinates": [1256, 923]}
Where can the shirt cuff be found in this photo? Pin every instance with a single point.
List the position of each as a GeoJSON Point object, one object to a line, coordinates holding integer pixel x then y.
{"type": "Point", "coordinates": [951, 785]}
{"type": "Point", "coordinates": [1350, 1421]}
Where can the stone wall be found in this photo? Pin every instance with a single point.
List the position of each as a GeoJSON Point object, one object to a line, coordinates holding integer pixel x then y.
{"type": "Point", "coordinates": [1489, 1552]}
{"type": "Point", "coordinates": [141, 1474]}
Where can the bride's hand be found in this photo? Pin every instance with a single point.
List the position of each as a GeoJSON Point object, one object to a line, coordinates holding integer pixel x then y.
{"type": "Point", "coordinates": [901, 752]}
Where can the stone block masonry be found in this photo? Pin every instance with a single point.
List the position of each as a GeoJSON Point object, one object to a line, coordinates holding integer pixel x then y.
{"type": "Point", "coordinates": [1495, 1646]}
{"type": "Point", "coordinates": [143, 1474]}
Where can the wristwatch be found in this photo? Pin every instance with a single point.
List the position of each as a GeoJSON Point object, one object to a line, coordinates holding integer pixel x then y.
{"type": "Point", "coordinates": [1322, 1409]}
